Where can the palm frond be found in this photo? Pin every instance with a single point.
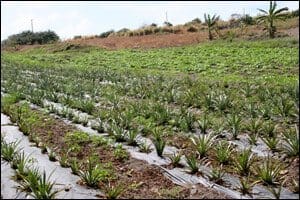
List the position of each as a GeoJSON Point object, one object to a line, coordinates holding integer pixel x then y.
{"type": "Point", "coordinates": [281, 10]}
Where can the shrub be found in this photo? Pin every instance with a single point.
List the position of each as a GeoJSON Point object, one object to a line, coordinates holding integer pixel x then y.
{"type": "Point", "coordinates": [28, 37]}
{"type": "Point", "coordinates": [106, 34]}
{"type": "Point", "coordinates": [192, 29]}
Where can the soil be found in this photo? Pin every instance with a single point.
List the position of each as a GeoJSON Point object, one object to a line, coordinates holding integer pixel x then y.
{"type": "Point", "coordinates": [160, 41]}
{"type": "Point", "coordinates": [292, 174]}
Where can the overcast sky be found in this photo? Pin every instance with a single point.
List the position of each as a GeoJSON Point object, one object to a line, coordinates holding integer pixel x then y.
{"type": "Point", "coordinates": [89, 18]}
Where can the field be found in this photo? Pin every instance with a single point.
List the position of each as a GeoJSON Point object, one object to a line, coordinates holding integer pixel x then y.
{"type": "Point", "coordinates": [212, 120]}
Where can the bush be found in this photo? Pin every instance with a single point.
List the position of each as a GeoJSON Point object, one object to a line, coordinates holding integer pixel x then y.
{"type": "Point", "coordinates": [77, 37]}
{"type": "Point", "coordinates": [192, 29]}
{"type": "Point", "coordinates": [248, 20]}
{"type": "Point", "coordinates": [28, 37]}
{"type": "Point", "coordinates": [106, 34]}
{"type": "Point", "coordinates": [168, 24]}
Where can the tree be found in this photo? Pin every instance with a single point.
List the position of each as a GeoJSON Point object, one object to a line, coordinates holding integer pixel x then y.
{"type": "Point", "coordinates": [269, 17]}
{"type": "Point", "coordinates": [210, 22]}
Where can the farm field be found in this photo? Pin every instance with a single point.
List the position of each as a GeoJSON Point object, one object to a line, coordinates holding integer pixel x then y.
{"type": "Point", "coordinates": [213, 120]}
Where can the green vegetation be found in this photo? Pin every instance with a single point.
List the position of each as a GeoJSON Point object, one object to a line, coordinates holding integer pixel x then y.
{"type": "Point", "coordinates": [207, 92]}
{"type": "Point", "coordinates": [28, 37]}
{"type": "Point", "coordinates": [210, 22]}
{"type": "Point", "coordinates": [270, 16]}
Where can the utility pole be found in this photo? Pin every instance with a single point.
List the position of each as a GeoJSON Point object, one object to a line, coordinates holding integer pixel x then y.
{"type": "Point", "coordinates": [166, 16]}
{"type": "Point", "coordinates": [32, 25]}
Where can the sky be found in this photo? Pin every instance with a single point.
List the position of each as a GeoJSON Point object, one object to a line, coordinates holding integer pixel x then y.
{"type": "Point", "coordinates": [70, 18]}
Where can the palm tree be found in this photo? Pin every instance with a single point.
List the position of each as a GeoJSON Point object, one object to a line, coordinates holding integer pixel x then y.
{"type": "Point", "coordinates": [210, 22]}
{"type": "Point", "coordinates": [271, 16]}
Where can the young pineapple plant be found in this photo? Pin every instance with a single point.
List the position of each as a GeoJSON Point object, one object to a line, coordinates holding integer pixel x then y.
{"type": "Point", "coordinates": [74, 166]}
{"type": "Point", "coordinates": [21, 163]}
{"type": "Point", "coordinates": [64, 162]}
{"type": "Point", "coordinates": [268, 172]}
{"type": "Point", "coordinates": [204, 123]}
{"type": "Point", "coordinates": [93, 174]}
{"type": "Point", "coordinates": [222, 102]}
{"type": "Point", "coordinates": [192, 163]}
{"type": "Point", "coordinates": [223, 152]}
{"type": "Point", "coordinates": [9, 150]}
{"type": "Point", "coordinates": [271, 142]}
{"type": "Point", "coordinates": [269, 129]}
{"type": "Point", "coordinates": [254, 127]}
{"type": "Point", "coordinates": [118, 133]}
{"type": "Point", "coordinates": [113, 192]}
{"type": "Point", "coordinates": [209, 101]}
{"type": "Point", "coordinates": [245, 187]}
{"type": "Point", "coordinates": [99, 126]}
{"type": "Point", "coordinates": [158, 141]}
{"type": "Point", "coordinates": [52, 156]}
{"type": "Point", "coordinates": [203, 143]}
{"type": "Point", "coordinates": [175, 159]}
{"type": "Point", "coordinates": [144, 147]}
{"type": "Point", "coordinates": [284, 105]}
{"type": "Point", "coordinates": [234, 122]}
{"type": "Point", "coordinates": [243, 161]}
{"type": "Point", "coordinates": [291, 142]}
{"type": "Point", "coordinates": [120, 153]}
{"type": "Point", "coordinates": [44, 188]}
{"type": "Point", "coordinates": [216, 175]}
{"type": "Point", "coordinates": [131, 137]}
